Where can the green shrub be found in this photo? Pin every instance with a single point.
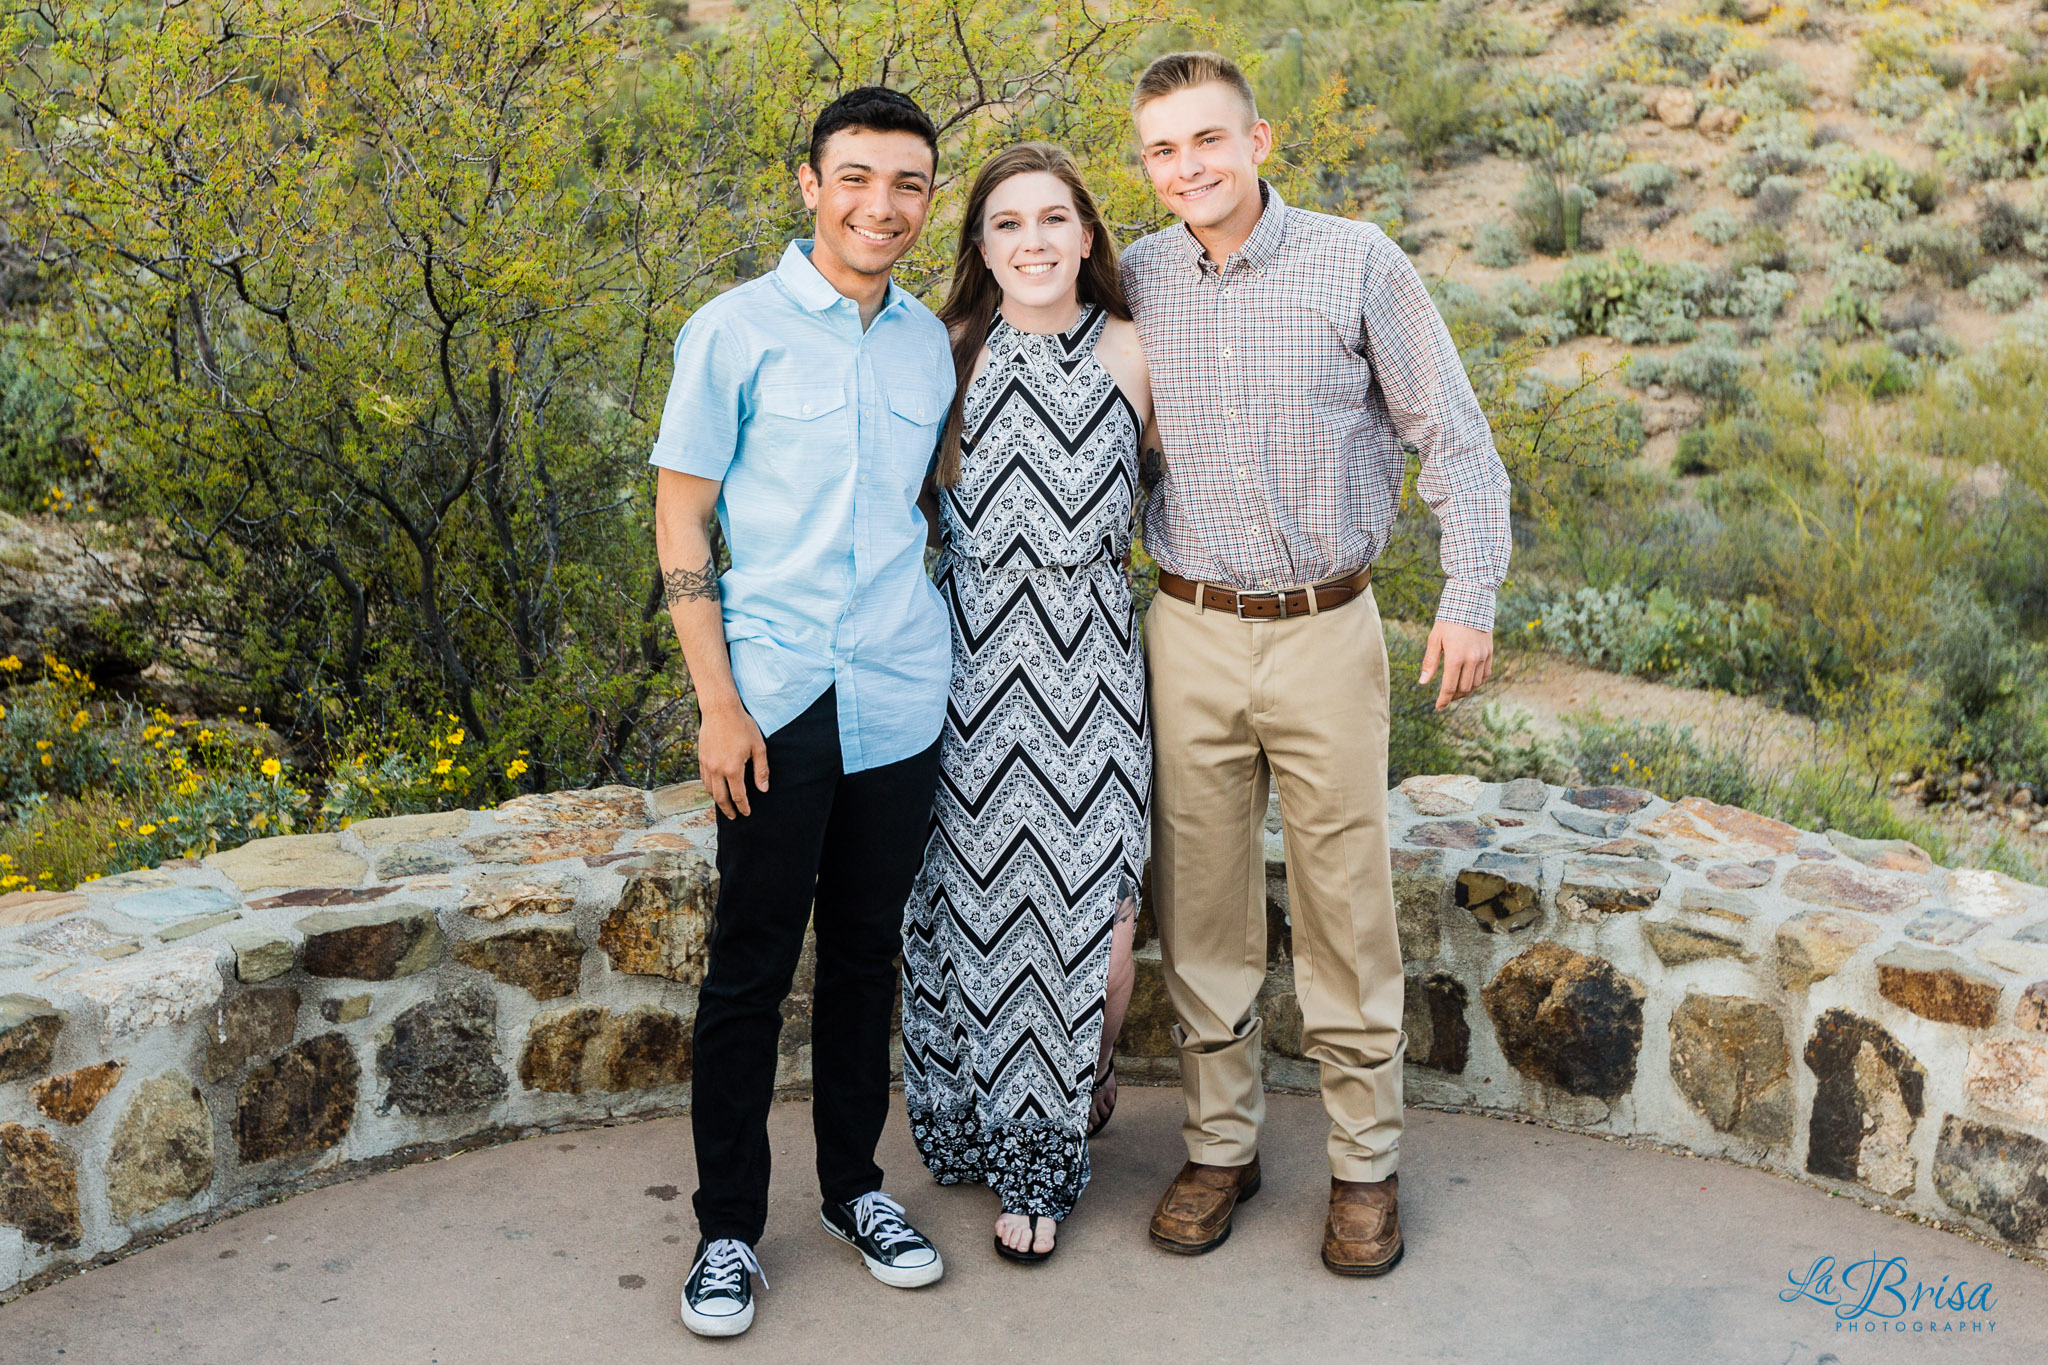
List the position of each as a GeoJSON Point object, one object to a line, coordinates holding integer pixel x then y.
{"type": "Point", "coordinates": [1852, 219]}
{"type": "Point", "coordinates": [1629, 298]}
{"type": "Point", "coordinates": [1777, 145]}
{"type": "Point", "coordinates": [1596, 13]}
{"type": "Point", "coordinates": [2030, 130]}
{"type": "Point", "coordinates": [1923, 190]}
{"type": "Point", "coordinates": [1716, 225]}
{"type": "Point", "coordinates": [1660, 635]}
{"type": "Point", "coordinates": [1647, 182]}
{"type": "Point", "coordinates": [2005, 288]}
{"type": "Point", "coordinates": [2004, 226]}
{"type": "Point", "coordinates": [1844, 314]}
{"type": "Point", "coordinates": [1871, 175]}
{"type": "Point", "coordinates": [37, 450]}
{"type": "Point", "coordinates": [1499, 246]}
{"type": "Point", "coordinates": [1865, 271]}
{"type": "Point", "coordinates": [1773, 90]}
{"type": "Point", "coordinates": [1752, 293]}
{"type": "Point", "coordinates": [1732, 442]}
{"type": "Point", "coordinates": [1666, 759]}
{"type": "Point", "coordinates": [1943, 250]}
{"type": "Point", "coordinates": [1661, 51]}
{"type": "Point", "coordinates": [1895, 99]}
{"type": "Point", "coordinates": [1775, 198]}
{"type": "Point", "coordinates": [1504, 746]}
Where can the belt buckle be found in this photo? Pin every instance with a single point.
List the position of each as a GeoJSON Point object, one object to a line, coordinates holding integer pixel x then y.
{"type": "Point", "coordinates": [1279, 597]}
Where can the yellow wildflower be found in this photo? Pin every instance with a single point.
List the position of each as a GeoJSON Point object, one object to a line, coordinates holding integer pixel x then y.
{"type": "Point", "coordinates": [442, 768]}
{"type": "Point", "coordinates": [80, 721]}
{"type": "Point", "coordinates": [271, 767]}
{"type": "Point", "coordinates": [146, 831]}
{"type": "Point", "coordinates": [515, 769]}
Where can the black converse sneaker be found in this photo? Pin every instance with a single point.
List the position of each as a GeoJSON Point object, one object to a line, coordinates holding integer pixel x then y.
{"type": "Point", "coordinates": [718, 1298]}
{"type": "Point", "coordinates": [896, 1253]}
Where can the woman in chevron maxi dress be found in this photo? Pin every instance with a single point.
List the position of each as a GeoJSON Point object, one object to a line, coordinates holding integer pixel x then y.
{"type": "Point", "coordinates": [1039, 834]}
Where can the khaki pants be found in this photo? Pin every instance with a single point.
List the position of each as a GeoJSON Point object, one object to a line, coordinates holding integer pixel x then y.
{"type": "Point", "coordinates": [1301, 702]}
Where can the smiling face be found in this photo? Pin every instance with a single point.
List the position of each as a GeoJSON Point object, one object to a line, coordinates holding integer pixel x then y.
{"type": "Point", "coordinates": [1202, 147]}
{"type": "Point", "coordinates": [1033, 240]}
{"type": "Point", "coordinates": [871, 196]}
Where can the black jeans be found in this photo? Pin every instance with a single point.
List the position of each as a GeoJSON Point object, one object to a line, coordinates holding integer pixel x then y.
{"type": "Point", "coordinates": [852, 843]}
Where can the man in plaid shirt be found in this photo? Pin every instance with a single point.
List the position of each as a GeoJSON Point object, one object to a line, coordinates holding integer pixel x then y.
{"type": "Point", "coordinates": [1294, 357]}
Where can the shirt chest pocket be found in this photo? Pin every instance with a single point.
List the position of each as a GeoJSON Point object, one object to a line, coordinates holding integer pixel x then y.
{"type": "Point", "coordinates": [802, 435]}
{"type": "Point", "coordinates": [916, 415]}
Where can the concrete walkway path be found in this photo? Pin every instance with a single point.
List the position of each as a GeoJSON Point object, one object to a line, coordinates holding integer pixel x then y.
{"type": "Point", "coordinates": [1524, 1245]}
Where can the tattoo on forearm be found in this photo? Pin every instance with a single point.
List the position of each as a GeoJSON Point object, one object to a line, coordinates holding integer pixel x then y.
{"type": "Point", "coordinates": [692, 585]}
{"type": "Point", "coordinates": [1151, 464]}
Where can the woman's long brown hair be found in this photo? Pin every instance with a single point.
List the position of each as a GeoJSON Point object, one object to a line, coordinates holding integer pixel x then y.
{"type": "Point", "coordinates": [970, 307]}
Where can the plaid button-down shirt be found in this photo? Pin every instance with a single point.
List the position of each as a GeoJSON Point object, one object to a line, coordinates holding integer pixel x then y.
{"type": "Point", "coordinates": [1287, 384]}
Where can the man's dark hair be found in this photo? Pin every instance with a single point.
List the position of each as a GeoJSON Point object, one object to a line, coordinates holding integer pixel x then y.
{"type": "Point", "coordinates": [876, 108]}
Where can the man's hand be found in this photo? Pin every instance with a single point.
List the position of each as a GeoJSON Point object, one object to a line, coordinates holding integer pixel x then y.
{"type": "Point", "coordinates": [727, 741]}
{"type": "Point", "coordinates": [1467, 657]}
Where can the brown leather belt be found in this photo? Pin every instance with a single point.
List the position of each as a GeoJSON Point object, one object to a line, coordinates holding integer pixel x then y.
{"type": "Point", "coordinates": [1268, 606]}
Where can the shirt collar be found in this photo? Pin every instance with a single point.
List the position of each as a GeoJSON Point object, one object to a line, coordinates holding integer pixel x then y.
{"type": "Point", "coordinates": [1259, 248]}
{"type": "Point", "coordinates": [811, 290]}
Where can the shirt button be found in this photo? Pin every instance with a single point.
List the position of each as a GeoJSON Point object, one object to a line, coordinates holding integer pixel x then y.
{"type": "Point", "coordinates": [1231, 413]}
{"type": "Point", "coordinates": [807, 407]}
{"type": "Point", "coordinates": [1226, 353]}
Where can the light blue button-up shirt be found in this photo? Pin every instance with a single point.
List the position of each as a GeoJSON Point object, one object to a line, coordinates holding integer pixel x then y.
{"type": "Point", "coordinates": [821, 435]}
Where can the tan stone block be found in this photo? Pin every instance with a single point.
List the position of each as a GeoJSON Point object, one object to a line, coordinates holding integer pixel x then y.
{"type": "Point", "coordinates": [1937, 986]}
{"type": "Point", "coordinates": [1851, 886]}
{"type": "Point", "coordinates": [540, 845]}
{"type": "Point", "coordinates": [33, 907]}
{"type": "Point", "coordinates": [2011, 1076]}
{"type": "Point", "coordinates": [71, 1097]}
{"type": "Point", "coordinates": [406, 829]}
{"type": "Point", "coordinates": [659, 926]}
{"type": "Point", "coordinates": [609, 808]}
{"type": "Point", "coordinates": [1730, 1060]}
{"type": "Point", "coordinates": [497, 895]}
{"type": "Point", "coordinates": [1813, 945]}
{"type": "Point", "coordinates": [163, 1148]}
{"type": "Point", "coordinates": [1985, 894]}
{"type": "Point", "coordinates": [678, 798]}
{"type": "Point", "coordinates": [1709, 830]}
{"type": "Point", "coordinates": [289, 860]}
{"type": "Point", "coordinates": [28, 1036]}
{"type": "Point", "coordinates": [1443, 794]}
{"type": "Point", "coordinates": [152, 990]}
{"type": "Point", "coordinates": [39, 1186]}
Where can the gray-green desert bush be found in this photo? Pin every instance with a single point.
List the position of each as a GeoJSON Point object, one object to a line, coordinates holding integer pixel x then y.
{"type": "Point", "coordinates": [1716, 225]}
{"type": "Point", "coordinates": [2005, 288]}
{"type": "Point", "coordinates": [1499, 246]}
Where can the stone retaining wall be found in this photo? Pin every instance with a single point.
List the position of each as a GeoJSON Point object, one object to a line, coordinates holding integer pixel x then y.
{"type": "Point", "coordinates": [188, 1040]}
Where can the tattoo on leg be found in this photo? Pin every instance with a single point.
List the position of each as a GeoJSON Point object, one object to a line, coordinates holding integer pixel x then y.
{"type": "Point", "coordinates": [692, 585]}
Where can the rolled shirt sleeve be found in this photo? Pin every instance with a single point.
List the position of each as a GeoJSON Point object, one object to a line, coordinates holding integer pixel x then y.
{"type": "Point", "coordinates": [1433, 409]}
{"type": "Point", "coordinates": [700, 419]}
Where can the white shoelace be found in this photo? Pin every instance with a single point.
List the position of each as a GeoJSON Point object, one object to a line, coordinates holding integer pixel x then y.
{"type": "Point", "coordinates": [878, 1216]}
{"type": "Point", "coordinates": [726, 1263]}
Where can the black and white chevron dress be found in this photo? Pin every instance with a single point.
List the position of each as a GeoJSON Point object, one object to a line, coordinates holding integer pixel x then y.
{"type": "Point", "coordinates": [1045, 771]}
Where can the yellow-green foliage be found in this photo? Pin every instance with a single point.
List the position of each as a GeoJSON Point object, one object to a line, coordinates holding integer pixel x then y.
{"type": "Point", "coordinates": [372, 314]}
{"type": "Point", "coordinates": [1672, 51]}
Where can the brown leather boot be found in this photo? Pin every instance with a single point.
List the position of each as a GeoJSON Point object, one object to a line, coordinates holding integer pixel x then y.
{"type": "Point", "coordinates": [1194, 1214]}
{"type": "Point", "coordinates": [1363, 1236]}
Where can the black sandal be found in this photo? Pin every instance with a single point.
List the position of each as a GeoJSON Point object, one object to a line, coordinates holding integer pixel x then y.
{"type": "Point", "coordinates": [1097, 1125]}
{"type": "Point", "coordinates": [1026, 1257]}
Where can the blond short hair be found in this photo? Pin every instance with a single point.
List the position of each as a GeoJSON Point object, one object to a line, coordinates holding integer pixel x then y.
{"type": "Point", "coordinates": [1182, 70]}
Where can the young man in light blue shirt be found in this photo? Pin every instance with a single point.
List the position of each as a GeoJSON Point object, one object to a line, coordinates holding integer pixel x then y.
{"type": "Point", "coordinates": [804, 413]}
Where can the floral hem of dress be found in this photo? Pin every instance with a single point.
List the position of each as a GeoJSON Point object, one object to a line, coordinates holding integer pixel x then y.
{"type": "Point", "coordinates": [1037, 1166]}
